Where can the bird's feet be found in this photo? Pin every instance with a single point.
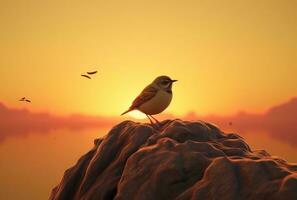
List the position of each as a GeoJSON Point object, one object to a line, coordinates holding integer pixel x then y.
{"type": "Point", "coordinates": [157, 124]}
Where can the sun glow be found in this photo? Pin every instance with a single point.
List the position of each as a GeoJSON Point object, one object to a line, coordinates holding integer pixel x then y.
{"type": "Point", "coordinates": [137, 114]}
{"type": "Point", "coordinates": [248, 49]}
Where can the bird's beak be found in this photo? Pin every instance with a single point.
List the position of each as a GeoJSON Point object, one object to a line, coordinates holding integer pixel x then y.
{"type": "Point", "coordinates": [173, 81]}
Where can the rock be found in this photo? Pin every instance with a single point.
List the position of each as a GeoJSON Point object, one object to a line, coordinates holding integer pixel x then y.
{"type": "Point", "coordinates": [181, 160]}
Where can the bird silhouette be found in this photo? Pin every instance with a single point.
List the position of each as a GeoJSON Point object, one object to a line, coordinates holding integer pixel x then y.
{"type": "Point", "coordinates": [91, 73]}
{"type": "Point", "coordinates": [86, 76]}
{"type": "Point", "coordinates": [25, 99]}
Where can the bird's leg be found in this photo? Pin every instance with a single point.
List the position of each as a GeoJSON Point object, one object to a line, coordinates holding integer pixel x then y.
{"type": "Point", "coordinates": [155, 119]}
{"type": "Point", "coordinates": [150, 120]}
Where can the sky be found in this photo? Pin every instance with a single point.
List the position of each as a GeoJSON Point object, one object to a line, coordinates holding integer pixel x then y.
{"type": "Point", "coordinates": [228, 55]}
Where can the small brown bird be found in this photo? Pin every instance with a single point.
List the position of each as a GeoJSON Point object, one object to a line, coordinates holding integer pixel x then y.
{"type": "Point", "coordinates": [155, 98]}
{"type": "Point", "coordinates": [86, 76]}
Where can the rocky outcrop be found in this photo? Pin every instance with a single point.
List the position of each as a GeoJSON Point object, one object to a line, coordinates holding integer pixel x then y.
{"type": "Point", "coordinates": [180, 160]}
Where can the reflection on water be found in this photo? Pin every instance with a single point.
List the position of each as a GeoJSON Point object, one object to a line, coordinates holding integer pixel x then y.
{"type": "Point", "coordinates": [266, 141]}
{"type": "Point", "coordinates": [275, 147]}
{"type": "Point", "coordinates": [31, 166]}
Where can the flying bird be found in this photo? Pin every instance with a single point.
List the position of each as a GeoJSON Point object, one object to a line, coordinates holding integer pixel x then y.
{"type": "Point", "coordinates": [86, 76]}
{"type": "Point", "coordinates": [25, 99]}
{"type": "Point", "coordinates": [91, 73]}
{"type": "Point", "coordinates": [154, 98]}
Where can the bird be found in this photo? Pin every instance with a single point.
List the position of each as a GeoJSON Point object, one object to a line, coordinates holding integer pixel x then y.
{"type": "Point", "coordinates": [154, 98]}
{"type": "Point", "coordinates": [86, 76]}
{"type": "Point", "coordinates": [25, 99]}
{"type": "Point", "coordinates": [91, 73]}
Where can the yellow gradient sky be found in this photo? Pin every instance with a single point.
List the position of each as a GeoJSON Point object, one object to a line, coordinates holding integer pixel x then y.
{"type": "Point", "coordinates": [227, 55]}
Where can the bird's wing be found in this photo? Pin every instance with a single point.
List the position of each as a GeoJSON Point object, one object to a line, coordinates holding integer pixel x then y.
{"type": "Point", "coordinates": [86, 76]}
{"type": "Point", "coordinates": [148, 93]}
{"type": "Point", "coordinates": [90, 73]}
{"type": "Point", "coordinates": [22, 99]}
{"type": "Point", "coordinates": [28, 101]}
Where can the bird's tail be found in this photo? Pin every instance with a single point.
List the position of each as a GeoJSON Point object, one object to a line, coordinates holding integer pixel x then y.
{"type": "Point", "coordinates": [126, 111]}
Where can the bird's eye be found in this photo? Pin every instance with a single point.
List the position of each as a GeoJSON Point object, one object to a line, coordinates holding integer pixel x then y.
{"type": "Point", "coordinates": [164, 82]}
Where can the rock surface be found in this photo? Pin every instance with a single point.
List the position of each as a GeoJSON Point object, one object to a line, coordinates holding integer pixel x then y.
{"type": "Point", "coordinates": [181, 160]}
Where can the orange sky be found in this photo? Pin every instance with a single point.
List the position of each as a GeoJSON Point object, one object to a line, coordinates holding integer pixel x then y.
{"type": "Point", "coordinates": [227, 55]}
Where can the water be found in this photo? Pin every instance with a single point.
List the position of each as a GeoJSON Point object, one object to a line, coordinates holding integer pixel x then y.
{"type": "Point", "coordinates": [31, 166]}
{"type": "Point", "coordinates": [275, 147]}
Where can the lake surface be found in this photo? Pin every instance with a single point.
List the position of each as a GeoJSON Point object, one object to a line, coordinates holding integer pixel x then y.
{"type": "Point", "coordinates": [31, 165]}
